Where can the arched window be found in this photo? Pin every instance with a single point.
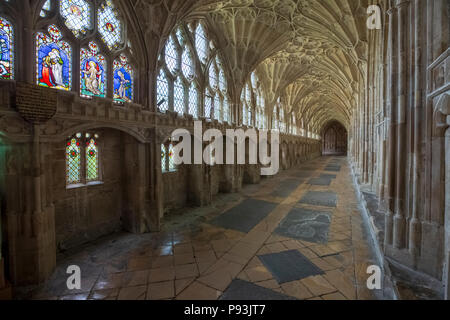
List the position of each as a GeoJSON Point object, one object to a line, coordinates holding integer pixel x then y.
{"type": "Point", "coordinates": [93, 73]}
{"type": "Point", "coordinates": [82, 159]}
{"type": "Point", "coordinates": [54, 60]}
{"type": "Point", "coordinates": [123, 80]}
{"type": "Point", "coordinates": [91, 159]}
{"type": "Point", "coordinates": [73, 160]}
{"type": "Point", "coordinates": [45, 9]}
{"type": "Point", "coordinates": [109, 25]}
{"type": "Point", "coordinates": [6, 50]}
{"type": "Point", "coordinates": [76, 15]}
{"type": "Point", "coordinates": [167, 158]}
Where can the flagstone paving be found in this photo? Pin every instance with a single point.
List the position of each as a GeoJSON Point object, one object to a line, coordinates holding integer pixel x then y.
{"type": "Point", "coordinates": [194, 257]}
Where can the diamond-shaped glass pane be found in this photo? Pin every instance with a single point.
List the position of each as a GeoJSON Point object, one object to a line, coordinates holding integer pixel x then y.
{"type": "Point", "coordinates": [178, 98]}
{"type": "Point", "coordinates": [208, 105]}
{"type": "Point", "coordinates": [193, 101]}
{"type": "Point", "coordinates": [171, 55]}
{"type": "Point", "coordinates": [162, 92]}
{"type": "Point", "coordinates": [187, 64]}
{"type": "Point", "coordinates": [163, 158]}
{"type": "Point", "coordinates": [217, 108]}
{"type": "Point", "coordinates": [201, 44]}
{"type": "Point", "coordinates": [73, 161]}
{"type": "Point", "coordinates": [92, 161]}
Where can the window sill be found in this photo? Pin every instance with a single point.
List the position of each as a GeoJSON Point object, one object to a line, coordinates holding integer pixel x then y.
{"type": "Point", "coordinates": [82, 185]}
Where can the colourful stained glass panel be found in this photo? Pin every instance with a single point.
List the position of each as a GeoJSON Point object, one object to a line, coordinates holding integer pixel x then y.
{"type": "Point", "coordinates": [73, 161]}
{"type": "Point", "coordinates": [123, 80]}
{"type": "Point", "coordinates": [172, 166]}
{"type": "Point", "coordinates": [109, 25]}
{"type": "Point", "coordinates": [163, 158]}
{"type": "Point", "coordinates": [53, 60]}
{"type": "Point", "coordinates": [91, 160]}
{"type": "Point", "coordinates": [6, 50]}
{"type": "Point", "coordinates": [45, 8]}
{"type": "Point", "coordinates": [77, 15]}
{"type": "Point", "coordinates": [93, 72]}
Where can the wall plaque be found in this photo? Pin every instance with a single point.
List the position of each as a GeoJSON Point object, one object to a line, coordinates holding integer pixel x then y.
{"type": "Point", "coordinates": [36, 104]}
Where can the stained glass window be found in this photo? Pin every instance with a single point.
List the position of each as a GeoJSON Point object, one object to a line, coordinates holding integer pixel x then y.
{"type": "Point", "coordinates": [172, 166]}
{"type": "Point", "coordinates": [73, 161]}
{"type": "Point", "coordinates": [123, 80]}
{"type": "Point", "coordinates": [93, 72]}
{"type": "Point", "coordinates": [201, 44]}
{"type": "Point", "coordinates": [6, 50]}
{"type": "Point", "coordinates": [109, 25]}
{"type": "Point", "coordinates": [53, 60]}
{"type": "Point", "coordinates": [45, 8]}
{"type": "Point", "coordinates": [91, 160]}
{"type": "Point", "coordinates": [77, 15]}
{"type": "Point", "coordinates": [171, 55]}
{"type": "Point", "coordinates": [163, 158]}
{"type": "Point", "coordinates": [178, 102]}
{"type": "Point", "coordinates": [162, 92]}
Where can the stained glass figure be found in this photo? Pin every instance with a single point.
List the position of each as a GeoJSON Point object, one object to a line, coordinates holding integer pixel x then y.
{"type": "Point", "coordinates": [109, 25]}
{"type": "Point", "coordinates": [91, 160]}
{"type": "Point", "coordinates": [77, 15]}
{"type": "Point", "coordinates": [123, 80]}
{"type": "Point", "coordinates": [45, 8]}
{"type": "Point", "coordinates": [73, 161]}
{"type": "Point", "coordinates": [53, 60]}
{"type": "Point", "coordinates": [93, 72]}
{"type": "Point", "coordinates": [6, 50]}
{"type": "Point", "coordinates": [162, 92]}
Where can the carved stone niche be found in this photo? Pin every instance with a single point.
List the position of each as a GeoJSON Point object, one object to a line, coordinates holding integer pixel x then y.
{"type": "Point", "coordinates": [35, 104]}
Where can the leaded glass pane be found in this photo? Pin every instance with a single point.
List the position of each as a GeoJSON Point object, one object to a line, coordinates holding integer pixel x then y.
{"type": "Point", "coordinates": [193, 100]}
{"type": "Point", "coordinates": [53, 60]}
{"type": "Point", "coordinates": [73, 161]}
{"type": "Point", "coordinates": [212, 76]}
{"type": "Point", "coordinates": [208, 105]}
{"type": "Point", "coordinates": [226, 110]}
{"type": "Point", "coordinates": [187, 64]}
{"type": "Point", "coordinates": [217, 108]}
{"type": "Point", "coordinates": [109, 25]}
{"type": "Point", "coordinates": [178, 98]}
{"type": "Point", "coordinates": [162, 92]}
{"type": "Point", "coordinates": [91, 160]}
{"type": "Point", "coordinates": [222, 81]}
{"type": "Point", "coordinates": [77, 15]}
{"type": "Point", "coordinates": [6, 50]}
{"type": "Point", "coordinates": [171, 55]}
{"type": "Point", "coordinates": [92, 72]}
{"type": "Point", "coordinates": [201, 44]}
{"type": "Point", "coordinates": [45, 8]}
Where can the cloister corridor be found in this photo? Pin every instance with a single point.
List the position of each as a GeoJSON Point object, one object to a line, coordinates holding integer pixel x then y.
{"type": "Point", "coordinates": [194, 257]}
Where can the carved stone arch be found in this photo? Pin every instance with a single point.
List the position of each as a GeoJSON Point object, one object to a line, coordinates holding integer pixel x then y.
{"type": "Point", "coordinates": [134, 132]}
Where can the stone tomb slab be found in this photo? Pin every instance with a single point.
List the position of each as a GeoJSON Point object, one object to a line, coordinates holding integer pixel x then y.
{"type": "Point", "coordinates": [240, 290]}
{"type": "Point", "coordinates": [328, 176]}
{"type": "Point", "coordinates": [289, 266]}
{"type": "Point", "coordinates": [244, 216]}
{"type": "Point", "coordinates": [321, 181]}
{"type": "Point", "coordinates": [286, 187]}
{"type": "Point", "coordinates": [308, 225]}
{"type": "Point", "coordinates": [333, 168]}
{"type": "Point", "coordinates": [316, 198]}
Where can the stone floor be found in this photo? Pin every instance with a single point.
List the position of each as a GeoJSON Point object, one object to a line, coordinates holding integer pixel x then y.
{"type": "Point", "coordinates": [194, 258]}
